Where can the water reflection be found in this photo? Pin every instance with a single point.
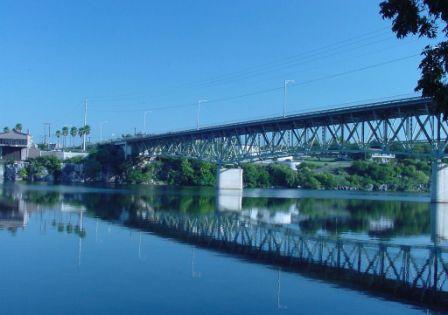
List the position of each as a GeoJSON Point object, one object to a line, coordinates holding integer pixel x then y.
{"type": "Point", "coordinates": [84, 215]}
{"type": "Point", "coordinates": [439, 222]}
{"type": "Point", "coordinates": [280, 306]}
{"type": "Point", "coordinates": [366, 219]}
{"type": "Point", "coordinates": [14, 214]}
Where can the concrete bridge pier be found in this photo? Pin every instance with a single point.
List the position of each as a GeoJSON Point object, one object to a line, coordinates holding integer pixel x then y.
{"type": "Point", "coordinates": [439, 182]}
{"type": "Point", "coordinates": [230, 178]}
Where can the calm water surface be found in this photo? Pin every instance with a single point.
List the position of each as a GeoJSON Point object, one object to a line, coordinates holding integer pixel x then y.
{"type": "Point", "coordinates": [78, 250]}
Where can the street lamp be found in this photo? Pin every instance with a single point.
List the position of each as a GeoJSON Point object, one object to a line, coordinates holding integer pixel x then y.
{"type": "Point", "coordinates": [101, 129]}
{"type": "Point", "coordinates": [286, 82]}
{"type": "Point", "coordinates": [144, 119]}
{"type": "Point", "coordinates": [199, 111]}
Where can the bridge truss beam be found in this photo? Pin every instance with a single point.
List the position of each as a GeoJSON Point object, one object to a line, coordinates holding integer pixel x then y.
{"type": "Point", "coordinates": [409, 127]}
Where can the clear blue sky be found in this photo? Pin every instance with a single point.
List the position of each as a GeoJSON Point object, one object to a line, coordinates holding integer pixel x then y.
{"type": "Point", "coordinates": [131, 56]}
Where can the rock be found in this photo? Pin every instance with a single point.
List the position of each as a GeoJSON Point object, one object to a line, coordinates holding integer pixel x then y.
{"type": "Point", "coordinates": [11, 171]}
{"type": "Point", "coordinates": [72, 173]}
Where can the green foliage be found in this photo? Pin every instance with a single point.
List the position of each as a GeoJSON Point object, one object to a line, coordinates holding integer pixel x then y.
{"type": "Point", "coordinates": [138, 171]}
{"type": "Point", "coordinates": [73, 131]}
{"type": "Point", "coordinates": [23, 173]}
{"type": "Point", "coordinates": [400, 175]}
{"type": "Point", "coordinates": [204, 173]}
{"type": "Point", "coordinates": [110, 158]}
{"type": "Point", "coordinates": [256, 176]}
{"type": "Point", "coordinates": [39, 167]}
{"type": "Point", "coordinates": [263, 176]}
{"type": "Point", "coordinates": [75, 160]}
{"type": "Point", "coordinates": [184, 172]}
{"type": "Point", "coordinates": [92, 169]}
{"type": "Point", "coordinates": [108, 162]}
{"type": "Point", "coordinates": [282, 175]}
{"type": "Point", "coordinates": [424, 18]}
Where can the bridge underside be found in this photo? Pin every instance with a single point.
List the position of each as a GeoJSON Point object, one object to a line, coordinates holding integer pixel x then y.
{"type": "Point", "coordinates": [410, 128]}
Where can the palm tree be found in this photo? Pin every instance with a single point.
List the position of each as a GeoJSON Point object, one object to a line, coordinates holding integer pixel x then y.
{"type": "Point", "coordinates": [87, 130]}
{"type": "Point", "coordinates": [85, 133]}
{"type": "Point", "coordinates": [65, 134]}
{"type": "Point", "coordinates": [58, 135]}
{"type": "Point", "coordinates": [81, 132]}
{"type": "Point", "coordinates": [73, 133]}
{"type": "Point", "coordinates": [18, 127]}
{"type": "Point", "coordinates": [6, 129]}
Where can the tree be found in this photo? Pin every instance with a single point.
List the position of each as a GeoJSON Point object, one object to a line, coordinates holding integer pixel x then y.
{"type": "Point", "coordinates": [64, 134]}
{"type": "Point", "coordinates": [256, 176]}
{"type": "Point", "coordinates": [81, 132]}
{"type": "Point", "coordinates": [85, 133]}
{"type": "Point", "coordinates": [282, 176]}
{"type": "Point", "coordinates": [58, 135]}
{"type": "Point", "coordinates": [6, 129]}
{"type": "Point", "coordinates": [87, 130]}
{"type": "Point", "coordinates": [73, 133]}
{"type": "Point", "coordinates": [424, 18]}
{"type": "Point", "coordinates": [18, 127]}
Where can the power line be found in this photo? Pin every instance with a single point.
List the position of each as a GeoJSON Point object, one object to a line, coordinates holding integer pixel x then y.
{"type": "Point", "coordinates": [294, 60]}
{"type": "Point", "coordinates": [312, 52]}
{"type": "Point", "coordinates": [292, 63]}
{"type": "Point", "coordinates": [265, 91]}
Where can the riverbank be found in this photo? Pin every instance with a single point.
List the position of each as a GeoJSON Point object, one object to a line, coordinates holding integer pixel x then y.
{"type": "Point", "coordinates": [107, 165]}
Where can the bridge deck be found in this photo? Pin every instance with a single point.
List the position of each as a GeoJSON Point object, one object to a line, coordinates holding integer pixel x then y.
{"type": "Point", "coordinates": [371, 111]}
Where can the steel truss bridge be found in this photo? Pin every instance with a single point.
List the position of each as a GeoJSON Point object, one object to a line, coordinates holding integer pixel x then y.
{"type": "Point", "coordinates": [419, 272]}
{"type": "Point", "coordinates": [407, 126]}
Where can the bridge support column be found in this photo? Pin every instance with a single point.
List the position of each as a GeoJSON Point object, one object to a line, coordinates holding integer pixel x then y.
{"type": "Point", "coordinates": [230, 178]}
{"type": "Point", "coordinates": [439, 182]}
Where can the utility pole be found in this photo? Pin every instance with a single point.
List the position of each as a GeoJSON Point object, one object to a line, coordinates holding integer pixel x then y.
{"type": "Point", "coordinates": [84, 137]}
{"type": "Point", "coordinates": [286, 82]}
{"type": "Point", "coordinates": [199, 112]}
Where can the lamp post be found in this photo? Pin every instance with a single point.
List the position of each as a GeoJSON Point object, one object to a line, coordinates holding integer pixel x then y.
{"type": "Point", "coordinates": [198, 112]}
{"type": "Point", "coordinates": [145, 114]}
{"type": "Point", "coordinates": [101, 129]}
{"type": "Point", "coordinates": [286, 82]}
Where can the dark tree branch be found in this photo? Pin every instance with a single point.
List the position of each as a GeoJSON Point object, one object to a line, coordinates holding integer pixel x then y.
{"type": "Point", "coordinates": [424, 17]}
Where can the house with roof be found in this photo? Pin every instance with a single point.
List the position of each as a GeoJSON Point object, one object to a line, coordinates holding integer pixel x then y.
{"type": "Point", "coordinates": [15, 145]}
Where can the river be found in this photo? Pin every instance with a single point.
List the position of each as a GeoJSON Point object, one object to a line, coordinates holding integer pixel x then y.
{"type": "Point", "coordinates": [91, 250]}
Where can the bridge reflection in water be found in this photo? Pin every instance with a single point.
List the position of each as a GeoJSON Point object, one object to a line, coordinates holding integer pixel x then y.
{"type": "Point", "coordinates": [414, 271]}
